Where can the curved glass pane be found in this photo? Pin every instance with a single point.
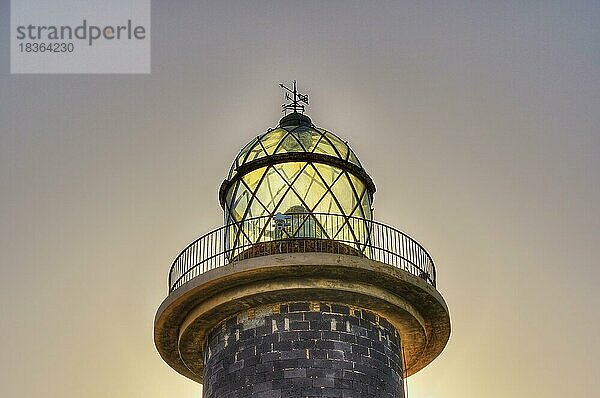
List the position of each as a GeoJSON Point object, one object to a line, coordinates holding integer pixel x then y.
{"type": "Point", "coordinates": [294, 139]}
{"type": "Point", "coordinates": [303, 193]}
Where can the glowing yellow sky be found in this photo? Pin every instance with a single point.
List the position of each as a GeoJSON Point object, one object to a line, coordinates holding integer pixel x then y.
{"type": "Point", "coordinates": [478, 124]}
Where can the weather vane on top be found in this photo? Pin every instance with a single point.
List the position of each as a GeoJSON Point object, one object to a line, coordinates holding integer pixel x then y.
{"type": "Point", "coordinates": [298, 100]}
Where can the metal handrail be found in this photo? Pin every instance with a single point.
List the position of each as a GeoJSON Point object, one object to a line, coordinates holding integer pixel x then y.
{"type": "Point", "coordinates": [301, 232]}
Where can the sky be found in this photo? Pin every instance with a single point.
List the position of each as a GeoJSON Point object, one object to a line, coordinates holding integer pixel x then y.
{"type": "Point", "coordinates": [478, 122]}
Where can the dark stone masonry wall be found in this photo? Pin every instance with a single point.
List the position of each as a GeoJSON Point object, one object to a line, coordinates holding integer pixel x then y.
{"type": "Point", "coordinates": [303, 349]}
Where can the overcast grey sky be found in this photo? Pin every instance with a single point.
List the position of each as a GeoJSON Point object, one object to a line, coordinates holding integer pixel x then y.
{"type": "Point", "coordinates": [478, 122]}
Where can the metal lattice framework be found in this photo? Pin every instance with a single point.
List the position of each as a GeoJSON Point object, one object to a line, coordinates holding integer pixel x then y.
{"type": "Point", "coordinates": [291, 170]}
{"type": "Point", "coordinates": [294, 139]}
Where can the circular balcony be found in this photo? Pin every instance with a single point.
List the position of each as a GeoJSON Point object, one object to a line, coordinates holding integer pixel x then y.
{"type": "Point", "coordinates": [301, 233]}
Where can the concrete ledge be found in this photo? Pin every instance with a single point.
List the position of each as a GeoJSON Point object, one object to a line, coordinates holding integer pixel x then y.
{"type": "Point", "coordinates": [416, 309]}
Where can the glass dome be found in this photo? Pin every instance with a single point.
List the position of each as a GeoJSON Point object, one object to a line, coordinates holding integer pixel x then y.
{"type": "Point", "coordinates": [300, 172]}
{"type": "Point", "coordinates": [294, 139]}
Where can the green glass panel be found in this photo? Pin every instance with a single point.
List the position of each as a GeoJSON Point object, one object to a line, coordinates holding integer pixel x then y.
{"type": "Point", "coordinates": [356, 191]}
{"type": "Point", "coordinates": [323, 205]}
{"type": "Point", "coordinates": [255, 209]}
{"type": "Point", "coordinates": [255, 152]}
{"type": "Point", "coordinates": [289, 171]}
{"type": "Point", "coordinates": [358, 211]}
{"type": "Point", "coordinates": [272, 139]}
{"type": "Point", "coordinates": [344, 194]}
{"type": "Point", "coordinates": [253, 178]}
{"type": "Point", "coordinates": [307, 137]}
{"type": "Point", "coordinates": [326, 138]}
{"type": "Point", "coordinates": [310, 187]}
{"type": "Point", "coordinates": [366, 206]}
{"type": "Point", "coordinates": [289, 144]}
{"type": "Point", "coordinates": [291, 203]}
{"type": "Point", "coordinates": [302, 184]}
{"type": "Point", "coordinates": [242, 200]}
{"type": "Point", "coordinates": [272, 188]}
{"type": "Point", "coordinates": [328, 173]}
{"type": "Point", "coordinates": [317, 137]}
{"type": "Point", "coordinates": [353, 159]}
{"type": "Point", "coordinates": [363, 195]}
{"type": "Point", "coordinates": [325, 148]}
{"type": "Point", "coordinates": [328, 205]}
{"type": "Point", "coordinates": [356, 183]}
{"type": "Point", "coordinates": [238, 194]}
{"type": "Point", "coordinates": [340, 145]}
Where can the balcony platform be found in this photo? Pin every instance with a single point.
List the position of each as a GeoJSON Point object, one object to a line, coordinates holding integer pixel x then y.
{"type": "Point", "coordinates": [408, 301]}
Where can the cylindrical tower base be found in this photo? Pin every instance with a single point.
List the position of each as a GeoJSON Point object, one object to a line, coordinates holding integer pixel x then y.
{"type": "Point", "coordinates": [303, 349]}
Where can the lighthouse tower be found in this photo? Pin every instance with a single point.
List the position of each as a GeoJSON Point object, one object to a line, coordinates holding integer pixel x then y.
{"type": "Point", "coordinates": [301, 293]}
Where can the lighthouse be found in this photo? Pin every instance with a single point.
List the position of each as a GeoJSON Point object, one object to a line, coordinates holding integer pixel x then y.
{"type": "Point", "coordinates": [301, 292]}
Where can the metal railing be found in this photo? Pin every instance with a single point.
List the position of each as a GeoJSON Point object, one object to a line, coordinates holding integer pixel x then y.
{"type": "Point", "coordinates": [303, 232]}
